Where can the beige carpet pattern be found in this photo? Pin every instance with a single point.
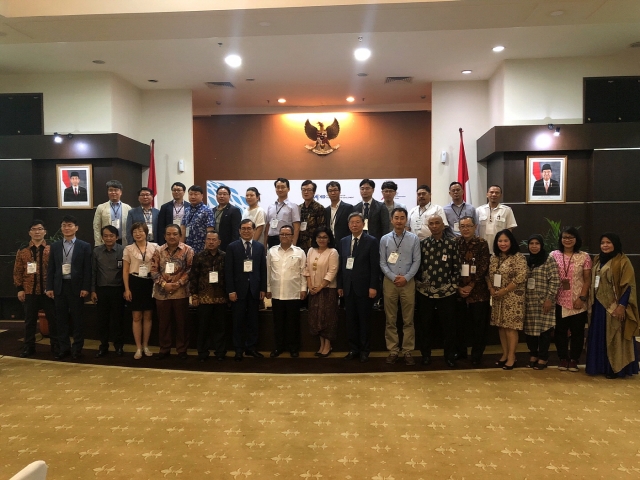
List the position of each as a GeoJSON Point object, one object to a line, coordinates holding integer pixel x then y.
{"type": "Point", "coordinates": [110, 422]}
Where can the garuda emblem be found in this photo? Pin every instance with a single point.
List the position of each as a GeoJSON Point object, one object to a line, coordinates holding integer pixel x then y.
{"type": "Point", "coordinates": [322, 136]}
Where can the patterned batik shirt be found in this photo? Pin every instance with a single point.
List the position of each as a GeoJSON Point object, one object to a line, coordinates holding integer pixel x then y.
{"type": "Point", "coordinates": [314, 216]}
{"type": "Point", "coordinates": [475, 253]}
{"type": "Point", "coordinates": [196, 220]}
{"type": "Point", "coordinates": [199, 286]}
{"type": "Point", "coordinates": [439, 267]}
{"type": "Point", "coordinates": [182, 258]}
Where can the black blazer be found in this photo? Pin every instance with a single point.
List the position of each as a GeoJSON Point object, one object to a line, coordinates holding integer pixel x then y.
{"type": "Point", "coordinates": [378, 218]}
{"type": "Point", "coordinates": [538, 187]}
{"type": "Point", "coordinates": [229, 228]}
{"type": "Point", "coordinates": [342, 220]}
{"type": "Point", "coordinates": [70, 197]}
{"type": "Point", "coordinates": [165, 217]}
{"type": "Point", "coordinates": [239, 282]}
{"type": "Point", "coordinates": [80, 267]}
{"type": "Point", "coordinates": [366, 265]}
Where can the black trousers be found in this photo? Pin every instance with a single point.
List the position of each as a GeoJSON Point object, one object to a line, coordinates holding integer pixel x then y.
{"type": "Point", "coordinates": [575, 323]}
{"type": "Point", "coordinates": [539, 345]}
{"type": "Point", "coordinates": [472, 326]}
{"type": "Point", "coordinates": [32, 305]}
{"type": "Point", "coordinates": [110, 309]}
{"type": "Point", "coordinates": [358, 313]}
{"type": "Point", "coordinates": [69, 304]}
{"type": "Point", "coordinates": [286, 324]}
{"type": "Point", "coordinates": [441, 312]}
{"type": "Point", "coordinates": [211, 322]}
{"type": "Point", "coordinates": [245, 323]}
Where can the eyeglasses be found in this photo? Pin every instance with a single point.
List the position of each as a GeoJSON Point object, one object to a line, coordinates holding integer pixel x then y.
{"type": "Point", "coordinates": [333, 190]}
{"type": "Point", "coordinates": [246, 229]}
{"type": "Point", "coordinates": [177, 190]}
{"type": "Point", "coordinates": [568, 238]}
{"type": "Point", "coordinates": [307, 190]}
{"type": "Point", "coordinates": [36, 229]}
{"type": "Point", "coordinates": [145, 194]}
{"type": "Point", "coordinates": [386, 190]}
{"type": "Point", "coordinates": [467, 226]}
{"type": "Point", "coordinates": [286, 234]}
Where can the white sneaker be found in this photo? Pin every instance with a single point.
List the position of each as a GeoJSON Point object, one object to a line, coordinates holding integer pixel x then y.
{"type": "Point", "coordinates": [147, 352]}
{"type": "Point", "coordinates": [138, 354]}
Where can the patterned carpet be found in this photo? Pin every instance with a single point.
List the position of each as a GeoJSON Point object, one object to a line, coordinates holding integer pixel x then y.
{"type": "Point", "coordinates": [89, 421]}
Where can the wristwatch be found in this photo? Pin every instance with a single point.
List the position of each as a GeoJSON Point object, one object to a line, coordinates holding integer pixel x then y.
{"type": "Point", "coordinates": [583, 298]}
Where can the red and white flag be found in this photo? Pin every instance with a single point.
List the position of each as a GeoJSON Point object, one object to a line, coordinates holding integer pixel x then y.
{"type": "Point", "coordinates": [151, 183]}
{"type": "Point", "coordinates": [463, 172]}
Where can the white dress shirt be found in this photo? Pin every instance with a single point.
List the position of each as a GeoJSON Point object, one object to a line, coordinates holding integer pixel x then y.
{"type": "Point", "coordinates": [285, 272]}
{"type": "Point", "coordinates": [419, 219]}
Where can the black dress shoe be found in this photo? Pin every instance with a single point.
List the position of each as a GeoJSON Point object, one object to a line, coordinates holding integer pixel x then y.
{"type": "Point", "coordinates": [163, 355]}
{"type": "Point", "coordinates": [102, 353]}
{"type": "Point", "coordinates": [27, 352]}
{"type": "Point", "coordinates": [76, 355]}
{"type": "Point", "coordinates": [183, 356]}
{"type": "Point", "coordinates": [450, 363]}
{"type": "Point", "coordinates": [364, 357]}
{"type": "Point", "coordinates": [253, 353]}
{"type": "Point", "coordinates": [238, 357]}
{"type": "Point", "coordinates": [351, 356]}
{"type": "Point", "coordinates": [119, 351]}
{"type": "Point", "coordinates": [426, 360]}
{"type": "Point", "coordinates": [220, 358]}
{"type": "Point", "coordinates": [295, 354]}
{"type": "Point", "coordinates": [276, 353]}
{"type": "Point", "coordinates": [62, 355]}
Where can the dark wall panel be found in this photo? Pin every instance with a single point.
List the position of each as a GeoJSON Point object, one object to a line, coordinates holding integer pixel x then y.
{"type": "Point", "coordinates": [616, 174]}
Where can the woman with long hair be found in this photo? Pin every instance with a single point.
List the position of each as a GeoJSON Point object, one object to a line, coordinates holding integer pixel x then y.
{"type": "Point", "coordinates": [613, 325]}
{"type": "Point", "coordinates": [506, 282]}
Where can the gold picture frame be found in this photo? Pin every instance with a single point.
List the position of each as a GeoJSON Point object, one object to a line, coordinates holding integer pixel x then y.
{"type": "Point", "coordinates": [75, 186]}
{"type": "Point", "coordinates": [546, 179]}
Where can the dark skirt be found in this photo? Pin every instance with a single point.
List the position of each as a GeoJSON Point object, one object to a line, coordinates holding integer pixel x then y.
{"type": "Point", "coordinates": [323, 313]}
{"type": "Point", "coordinates": [597, 360]}
{"type": "Point", "coordinates": [141, 289]}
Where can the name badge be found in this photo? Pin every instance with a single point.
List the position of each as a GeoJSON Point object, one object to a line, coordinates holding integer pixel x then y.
{"type": "Point", "coordinates": [66, 269]}
{"type": "Point", "coordinates": [32, 267]}
{"type": "Point", "coordinates": [274, 223]}
{"type": "Point", "coordinates": [444, 258]}
{"type": "Point", "coordinates": [170, 267]}
{"type": "Point", "coordinates": [303, 226]}
{"type": "Point", "coordinates": [150, 227]}
{"type": "Point", "coordinates": [464, 271]}
{"type": "Point", "coordinates": [497, 280]}
{"type": "Point", "coordinates": [531, 283]}
{"type": "Point", "coordinates": [119, 263]}
{"type": "Point", "coordinates": [213, 277]}
{"type": "Point", "coordinates": [597, 281]}
{"type": "Point", "coordinates": [393, 257]}
{"type": "Point", "coordinates": [350, 263]}
{"type": "Point", "coordinates": [473, 269]}
{"type": "Point", "coordinates": [456, 227]}
{"type": "Point", "coordinates": [116, 223]}
{"type": "Point", "coordinates": [143, 271]}
{"type": "Point", "coordinates": [566, 284]}
{"type": "Point", "coordinates": [248, 266]}
{"type": "Point", "coordinates": [366, 224]}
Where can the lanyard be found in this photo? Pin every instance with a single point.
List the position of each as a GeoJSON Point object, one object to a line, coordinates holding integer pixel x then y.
{"type": "Point", "coordinates": [565, 266]}
{"type": "Point", "coordinates": [172, 254]}
{"type": "Point", "coordinates": [491, 213]}
{"type": "Point", "coordinates": [278, 209]}
{"type": "Point", "coordinates": [458, 214]}
{"type": "Point", "coordinates": [116, 211]}
{"type": "Point", "coordinates": [67, 252]}
{"type": "Point", "coordinates": [398, 244]}
{"type": "Point", "coordinates": [425, 210]}
{"type": "Point", "coordinates": [143, 255]}
{"type": "Point", "coordinates": [177, 211]}
{"type": "Point", "coordinates": [147, 215]}
{"type": "Point", "coordinates": [192, 214]}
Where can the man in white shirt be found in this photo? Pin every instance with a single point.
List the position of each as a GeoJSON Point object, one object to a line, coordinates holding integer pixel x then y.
{"type": "Point", "coordinates": [286, 286]}
{"type": "Point", "coordinates": [282, 212]}
{"type": "Point", "coordinates": [494, 216]}
{"type": "Point", "coordinates": [418, 215]}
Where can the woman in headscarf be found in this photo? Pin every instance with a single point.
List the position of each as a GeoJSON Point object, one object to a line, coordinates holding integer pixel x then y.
{"type": "Point", "coordinates": [614, 314]}
{"type": "Point", "coordinates": [542, 289]}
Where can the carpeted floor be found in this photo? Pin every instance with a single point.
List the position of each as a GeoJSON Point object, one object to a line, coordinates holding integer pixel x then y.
{"type": "Point", "coordinates": [91, 421]}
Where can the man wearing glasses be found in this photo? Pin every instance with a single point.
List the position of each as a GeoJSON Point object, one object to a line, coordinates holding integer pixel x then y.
{"type": "Point", "coordinates": [282, 212]}
{"type": "Point", "coordinates": [114, 212]}
{"type": "Point", "coordinates": [172, 211]}
{"type": "Point", "coordinates": [311, 216]}
{"type": "Point", "coordinates": [337, 214]}
{"type": "Point", "coordinates": [145, 213]}
{"type": "Point", "coordinates": [227, 217]}
{"type": "Point", "coordinates": [389, 190]}
{"type": "Point", "coordinates": [287, 286]}
{"type": "Point", "coordinates": [375, 223]}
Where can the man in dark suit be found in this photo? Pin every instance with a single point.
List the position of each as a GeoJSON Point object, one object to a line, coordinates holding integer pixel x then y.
{"type": "Point", "coordinates": [358, 280]}
{"type": "Point", "coordinates": [546, 185]}
{"type": "Point", "coordinates": [145, 213]}
{"type": "Point", "coordinates": [68, 283]}
{"type": "Point", "coordinates": [246, 283]}
{"type": "Point", "coordinates": [376, 215]}
{"type": "Point", "coordinates": [171, 213]}
{"type": "Point", "coordinates": [337, 215]}
{"type": "Point", "coordinates": [227, 218]}
{"type": "Point", "coordinates": [75, 193]}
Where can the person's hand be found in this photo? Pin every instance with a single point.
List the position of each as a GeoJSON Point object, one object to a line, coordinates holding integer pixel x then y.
{"type": "Point", "coordinates": [262, 295]}
{"type": "Point", "coordinates": [619, 312]}
{"type": "Point", "coordinates": [83, 293]}
{"type": "Point", "coordinates": [303, 295]}
{"type": "Point", "coordinates": [94, 297]}
{"type": "Point", "coordinates": [340, 292]}
{"type": "Point", "coordinates": [127, 295]}
{"type": "Point", "coordinates": [233, 297]}
{"type": "Point", "coordinates": [400, 281]}
{"type": "Point", "coordinates": [547, 306]}
{"type": "Point", "coordinates": [194, 301]}
{"type": "Point", "coordinates": [21, 296]}
{"type": "Point", "coordinates": [49, 293]}
{"type": "Point", "coordinates": [578, 304]}
{"type": "Point", "coordinates": [499, 293]}
{"type": "Point", "coordinates": [372, 293]}
{"type": "Point", "coordinates": [169, 287]}
{"type": "Point", "coordinates": [268, 295]}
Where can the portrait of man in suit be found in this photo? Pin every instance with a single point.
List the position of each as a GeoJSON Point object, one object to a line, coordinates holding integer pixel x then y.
{"type": "Point", "coordinates": [546, 185]}
{"type": "Point", "coordinates": [74, 185]}
{"type": "Point", "coordinates": [75, 192]}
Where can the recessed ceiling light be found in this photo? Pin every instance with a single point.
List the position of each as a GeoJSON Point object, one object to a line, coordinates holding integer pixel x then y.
{"type": "Point", "coordinates": [152, 81]}
{"type": "Point", "coordinates": [362, 54]}
{"type": "Point", "coordinates": [466, 72]}
{"type": "Point", "coordinates": [498, 48]}
{"type": "Point", "coordinates": [557, 13]}
{"type": "Point", "coordinates": [233, 61]}
{"type": "Point", "coordinates": [282, 100]}
{"type": "Point", "coordinates": [99, 62]}
{"type": "Point", "coordinates": [264, 24]}
{"type": "Point", "coordinates": [350, 99]}
{"type": "Point", "coordinates": [363, 74]}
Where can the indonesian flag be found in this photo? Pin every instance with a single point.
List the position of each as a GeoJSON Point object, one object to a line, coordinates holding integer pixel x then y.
{"type": "Point", "coordinates": [151, 183]}
{"type": "Point", "coordinates": [463, 172]}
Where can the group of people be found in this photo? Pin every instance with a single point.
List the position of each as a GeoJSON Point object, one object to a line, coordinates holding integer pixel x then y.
{"type": "Point", "coordinates": [455, 268]}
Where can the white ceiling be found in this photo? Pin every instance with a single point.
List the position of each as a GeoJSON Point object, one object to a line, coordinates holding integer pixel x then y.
{"type": "Point", "coordinates": [306, 54]}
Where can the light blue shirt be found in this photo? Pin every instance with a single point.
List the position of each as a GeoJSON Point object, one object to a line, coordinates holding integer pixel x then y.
{"type": "Point", "coordinates": [408, 248]}
{"type": "Point", "coordinates": [67, 254]}
{"type": "Point", "coordinates": [455, 213]}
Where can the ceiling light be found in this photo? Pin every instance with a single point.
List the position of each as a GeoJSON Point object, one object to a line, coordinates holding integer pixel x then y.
{"type": "Point", "coordinates": [557, 13]}
{"type": "Point", "coordinates": [350, 99]}
{"type": "Point", "coordinates": [498, 48]}
{"type": "Point", "coordinates": [362, 54]}
{"type": "Point", "coordinates": [57, 138]}
{"type": "Point", "coordinates": [466, 72]}
{"type": "Point", "coordinates": [233, 61]}
{"type": "Point", "coordinates": [282, 100]}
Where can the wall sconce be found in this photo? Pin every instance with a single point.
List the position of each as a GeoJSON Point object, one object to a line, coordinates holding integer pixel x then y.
{"type": "Point", "coordinates": [557, 132]}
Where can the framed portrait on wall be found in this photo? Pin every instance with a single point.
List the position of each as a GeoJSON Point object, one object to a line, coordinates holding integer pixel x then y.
{"type": "Point", "coordinates": [75, 186]}
{"type": "Point", "coordinates": [546, 179]}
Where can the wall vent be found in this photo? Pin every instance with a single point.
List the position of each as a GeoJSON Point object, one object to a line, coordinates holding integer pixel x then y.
{"type": "Point", "coordinates": [219, 84]}
{"type": "Point", "coordinates": [398, 79]}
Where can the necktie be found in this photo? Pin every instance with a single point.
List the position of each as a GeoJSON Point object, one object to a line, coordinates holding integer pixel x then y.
{"type": "Point", "coordinates": [75, 190]}
{"type": "Point", "coordinates": [546, 187]}
{"type": "Point", "coordinates": [355, 245]}
{"type": "Point", "coordinates": [247, 249]}
{"type": "Point", "coordinates": [366, 210]}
